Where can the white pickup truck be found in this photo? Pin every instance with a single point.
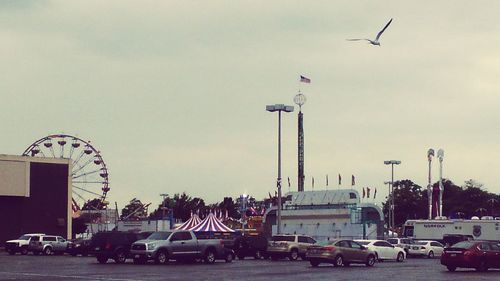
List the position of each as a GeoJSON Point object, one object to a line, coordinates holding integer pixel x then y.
{"type": "Point", "coordinates": [179, 245]}
{"type": "Point", "coordinates": [20, 244]}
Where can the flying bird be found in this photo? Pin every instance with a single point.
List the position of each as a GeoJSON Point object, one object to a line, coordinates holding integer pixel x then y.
{"type": "Point", "coordinates": [376, 41]}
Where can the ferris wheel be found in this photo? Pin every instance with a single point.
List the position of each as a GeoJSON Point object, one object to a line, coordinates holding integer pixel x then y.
{"type": "Point", "coordinates": [89, 173]}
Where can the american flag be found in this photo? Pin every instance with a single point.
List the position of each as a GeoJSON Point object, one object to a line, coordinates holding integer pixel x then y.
{"type": "Point", "coordinates": [304, 79]}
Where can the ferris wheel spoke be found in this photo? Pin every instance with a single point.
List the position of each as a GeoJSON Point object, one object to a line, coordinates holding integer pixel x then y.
{"type": "Point", "coordinates": [81, 197]}
{"type": "Point", "coordinates": [43, 154]}
{"type": "Point", "coordinates": [83, 166]}
{"type": "Point", "coordinates": [86, 174]}
{"type": "Point", "coordinates": [75, 162]}
{"type": "Point", "coordinates": [88, 191]}
{"type": "Point", "coordinates": [101, 182]}
{"type": "Point", "coordinates": [52, 151]}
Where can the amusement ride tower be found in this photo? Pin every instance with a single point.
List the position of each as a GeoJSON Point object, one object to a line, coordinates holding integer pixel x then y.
{"type": "Point", "coordinates": [300, 100]}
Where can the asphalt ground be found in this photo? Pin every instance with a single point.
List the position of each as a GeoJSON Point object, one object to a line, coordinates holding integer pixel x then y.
{"type": "Point", "coordinates": [86, 268]}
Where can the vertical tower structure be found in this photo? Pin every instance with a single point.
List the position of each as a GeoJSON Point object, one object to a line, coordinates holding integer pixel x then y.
{"type": "Point", "coordinates": [300, 99]}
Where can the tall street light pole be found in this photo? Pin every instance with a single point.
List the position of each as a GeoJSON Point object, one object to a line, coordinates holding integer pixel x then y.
{"type": "Point", "coordinates": [430, 154]}
{"type": "Point", "coordinates": [440, 156]}
{"type": "Point", "coordinates": [391, 209]}
{"type": "Point", "coordinates": [279, 108]}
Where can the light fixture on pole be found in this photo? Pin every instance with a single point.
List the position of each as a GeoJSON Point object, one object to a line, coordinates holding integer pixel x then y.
{"type": "Point", "coordinates": [391, 189]}
{"type": "Point", "coordinates": [279, 108]}
{"type": "Point", "coordinates": [440, 156]}
{"type": "Point", "coordinates": [430, 154]}
{"type": "Point", "coordinates": [243, 200]}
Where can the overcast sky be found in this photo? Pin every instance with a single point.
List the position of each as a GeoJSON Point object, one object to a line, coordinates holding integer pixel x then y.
{"type": "Point", "coordinates": [173, 93]}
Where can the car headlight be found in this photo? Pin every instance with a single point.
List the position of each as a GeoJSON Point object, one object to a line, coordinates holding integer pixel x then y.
{"type": "Point", "coordinates": [151, 246]}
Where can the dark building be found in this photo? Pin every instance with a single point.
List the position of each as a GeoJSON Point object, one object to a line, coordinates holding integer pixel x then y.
{"type": "Point", "coordinates": [35, 196]}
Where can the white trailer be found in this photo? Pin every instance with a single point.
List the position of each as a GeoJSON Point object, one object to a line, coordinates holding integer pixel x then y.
{"type": "Point", "coordinates": [485, 229]}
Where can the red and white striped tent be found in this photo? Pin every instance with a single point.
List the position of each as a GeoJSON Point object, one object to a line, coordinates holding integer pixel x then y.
{"type": "Point", "coordinates": [211, 224]}
{"type": "Point", "coordinates": [191, 222]}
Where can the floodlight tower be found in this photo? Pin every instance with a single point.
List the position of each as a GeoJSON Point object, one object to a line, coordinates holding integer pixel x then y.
{"type": "Point", "coordinates": [440, 156]}
{"type": "Point", "coordinates": [279, 108]}
{"type": "Point", "coordinates": [300, 100]}
{"type": "Point", "coordinates": [430, 154]}
{"type": "Point", "coordinates": [391, 209]}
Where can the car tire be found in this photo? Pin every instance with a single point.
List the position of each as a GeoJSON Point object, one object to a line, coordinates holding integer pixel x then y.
{"type": "Point", "coordinates": [209, 256]}
{"type": "Point", "coordinates": [47, 251]}
{"type": "Point", "coordinates": [120, 257]}
{"type": "Point", "coordinates": [24, 251]}
{"type": "Point", "coordinates": [451, 268]}
{"type": "Point", "coordinates": [294, 255]}
{"type": "Point", "coordinates": [11, 252]}
{"type": "Point", "coordinates": [102, 259]}
{"type": "Point", "coordinates": [241, 256]}
{"type": "Point", "coordinates": [430, 255]}
{"type": "Point", "coordinates": [338, 261]}
{"type": "Point", "coordinates": [314, 263]}
{"type": "Point", "coordinates": [258, 255]}
{"type": "Point", "coordinates": [229, 257]}
{"type": "Point", "coordinates": [482, 266]}
{"type": "Point", "coordinates": [400, 257]}
{"type": "Point", "coordinates": [370, 260]}
{"type": "Point", "coordinates": [73, 254]}
{"type": "Point", "coordinates": [161, 257]}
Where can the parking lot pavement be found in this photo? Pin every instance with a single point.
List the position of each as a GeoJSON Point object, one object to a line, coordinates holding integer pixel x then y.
{"type": "Point", "coordinates": [77, 268]}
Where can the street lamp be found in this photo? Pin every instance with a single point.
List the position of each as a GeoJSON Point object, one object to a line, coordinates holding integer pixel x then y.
{"type": "Point", "coordinates": [440, 156]}
{"type": "Point", "coordinates": [279, 108]}
{"type": "Point", "coordinates": [243, 200]}
{"type": "Point", "coordinates": [430, 154]}
{"type": "Point", "coordinates": [391, 190]}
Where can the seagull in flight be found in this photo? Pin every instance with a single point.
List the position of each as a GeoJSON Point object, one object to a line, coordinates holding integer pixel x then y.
{"type": "Point", "coordinates": [374, 42]}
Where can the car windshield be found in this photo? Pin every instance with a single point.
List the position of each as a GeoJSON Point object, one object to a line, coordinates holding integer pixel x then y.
{"type": "Point", "coordinates": [463, 245]}
{"type": "Point", "coordinates": [24, 237]}
{"type": "Point", "coordinates": [324, 243]}
{"type": "Point", "coordinates": [159, 235]}
{"type": "Point", "coordinates": [420, 243]}
{"type": "Point", "coordinates": [364, 243]}
{"type": "Point", "coordinates": [283, 238]}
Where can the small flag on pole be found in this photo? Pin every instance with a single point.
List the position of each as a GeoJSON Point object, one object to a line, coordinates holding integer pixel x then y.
{"type": "Point", "coordinates": [304, 79]}
{"type": "Point", "coordinates": [353, 181]}
{"type": "Point", "coordinates": [375, 193]}
{"type": "Point", "coordinates": [340, 180]}
{"type": "Point", "coordinates": [363, 192]}
{"type": "Point", "coordinates": [326, 180]}
{"type": "Point", "coordinates": [367, 192]}
{"type": "Point", "coordinates": [288, 181]}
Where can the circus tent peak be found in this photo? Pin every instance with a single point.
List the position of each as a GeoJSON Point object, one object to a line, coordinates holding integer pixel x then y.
{"type": "Point", "coordinates": [191, 222]}
{"type": "Point", "coordinates": [211, 224]}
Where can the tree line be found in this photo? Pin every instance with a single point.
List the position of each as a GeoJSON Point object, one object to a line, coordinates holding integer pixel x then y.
{"type": "Point", "coordinates": [466, 201]}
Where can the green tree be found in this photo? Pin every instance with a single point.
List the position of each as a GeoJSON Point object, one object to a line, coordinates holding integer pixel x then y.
{"type": "Point", "coordinates": [134, 210]}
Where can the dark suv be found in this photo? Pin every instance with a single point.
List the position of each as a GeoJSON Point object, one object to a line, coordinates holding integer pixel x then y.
{"type": "Point", "coordinates": [253, 246]}
{"type": "Point", "coordinates": [114, 245]}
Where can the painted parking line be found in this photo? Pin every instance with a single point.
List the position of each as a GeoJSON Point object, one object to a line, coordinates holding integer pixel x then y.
{"type": "Point", "coordinates": [15, 274]}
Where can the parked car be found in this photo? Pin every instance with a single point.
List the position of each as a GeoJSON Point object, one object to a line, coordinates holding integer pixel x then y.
{"type": "Point", "coordinates": [340, 253]}
{"type": "Point", "coordinates": [384, 250]}
{"type": "Point", "coordinates": [480, 255]}
{"type": "Point", "coordinates": [452, 239]}
{"type": "Point", "coordinates": [426, 248]}
{"type": "Point", "coordinates": [79, 246]}
{"type": "Point", "coordinates": [47, 245]}
{"type": "Point", "coordinates": [404, 243]}
{"type": "Point", "coordinates": [20, 244]}
{"type": "Point", "coordinates": [251, 246]}
{"type": "Point", "coordinates": [290, 246]}
{"type": "Point", "coordinates": [179, 245]}
{"type": "Point", "coordinates": [114, 245]}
